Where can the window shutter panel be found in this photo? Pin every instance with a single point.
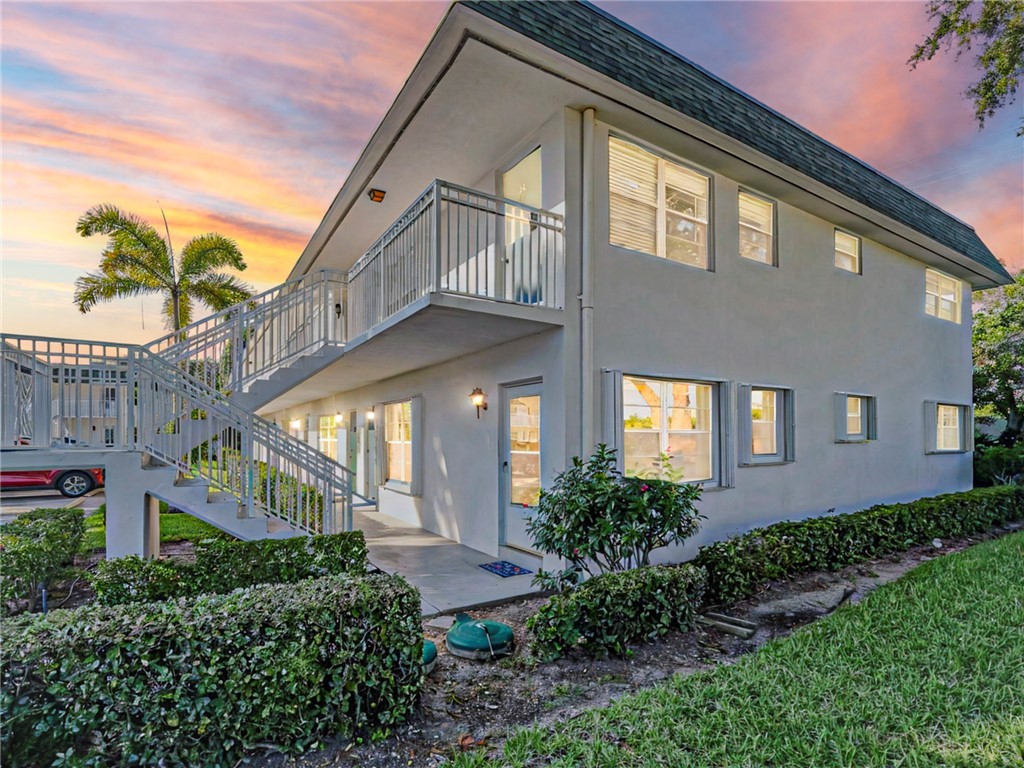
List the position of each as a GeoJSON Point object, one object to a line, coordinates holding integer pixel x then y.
{"type": "Point", "coordinates": [416, 450]}
{"type": "Point", "coordinates": [727, 468]}
{"type": "Point", "coordinates": [744, 436]}
{"type": "Point", "coordinates": [839, 404]}
{"type": "Point", "coordinates": [872, 415]}
{"type": "Point", "coordinates": [930, 425]}
{"type": "Point", "coordinates": [380, 446]}
{"type": "Point", "coordinates": [789, 397]}
{"type": "Point", "coordinates": [968, 428]}
{"type": "Point", "coordinates": [611, 412]}
{"type": "Point", "coordinates": [632, 197]}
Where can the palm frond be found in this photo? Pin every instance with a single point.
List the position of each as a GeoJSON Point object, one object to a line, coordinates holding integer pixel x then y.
{"type": "Point", "coordinates": [205, 253]}
{"type": "Point", "coordinates": [127, 228]}
{"type": "Point", "coordinates": [218, 291]}
{"type": "Point", "coordinates": [96, 287]}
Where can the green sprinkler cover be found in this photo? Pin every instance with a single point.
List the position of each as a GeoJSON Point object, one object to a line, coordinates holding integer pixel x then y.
{"type": "Point", "coordinates": [429, 656]}
{"type": "Point", "coordinates": [479, 638]}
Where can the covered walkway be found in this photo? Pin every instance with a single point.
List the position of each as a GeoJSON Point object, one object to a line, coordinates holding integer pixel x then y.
{"type": "Point", "coordinates": [448, 575]}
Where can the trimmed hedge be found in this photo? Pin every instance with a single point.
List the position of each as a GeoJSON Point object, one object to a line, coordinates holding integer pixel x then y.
{"type": "Point", "coordinates": [741, 566]}
{"type": "Point", "coordinates": [197, 682]}
{"type": "Point", "coordinates": [604, 614]}
{"type": "Point", "coordinates": [36, 548]}
{"type": "Point", "coordinates": [223, 565]}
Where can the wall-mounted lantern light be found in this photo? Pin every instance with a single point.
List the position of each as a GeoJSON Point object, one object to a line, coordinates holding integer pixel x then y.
{"type": "Point", "coordinates": [339, 419]}
{"type": "Point", "coordinates": [478, 398]}
{"type": "Point", "coordinates": [296, 423]}
{"type": "Point", "coordinates": [370, 416]}
{"type": "Point", "coordinates": [337, 310]}
{"type": "Point", "coordinates": [376, 195]}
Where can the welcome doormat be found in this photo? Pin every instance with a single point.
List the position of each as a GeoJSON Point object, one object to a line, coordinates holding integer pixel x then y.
{"type": "Point", "coordinates": [505, 569]}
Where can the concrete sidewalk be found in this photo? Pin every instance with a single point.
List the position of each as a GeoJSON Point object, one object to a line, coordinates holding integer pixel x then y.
{"type": "Point", "coordinates": [447, 574]}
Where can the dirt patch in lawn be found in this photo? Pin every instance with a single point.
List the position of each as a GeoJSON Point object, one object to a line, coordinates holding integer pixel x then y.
{"type": "Point", "coordinates": [472, 705]}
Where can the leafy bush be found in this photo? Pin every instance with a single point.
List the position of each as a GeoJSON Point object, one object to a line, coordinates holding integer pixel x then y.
{"type": "Point", "coordinates": [999, 465]}
{"type": "Point", "coordinates": [600, 521]}
{"type": "Point", "coordinates": [36, 548]}
{"type": "Point", "coordinates": [196, 682]}
{"type": "Point", "coordinates": [604, 614]}
{"type": "Point", "coordinates": [741, 566]}
{"type": "Point", "coordinates": [222, 565]}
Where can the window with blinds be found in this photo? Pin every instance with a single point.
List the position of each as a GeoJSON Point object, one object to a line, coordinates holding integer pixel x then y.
{"type": "Point", "coordinates": [757, 228]}
{"type": "Point", "coordinates": [656, 206]}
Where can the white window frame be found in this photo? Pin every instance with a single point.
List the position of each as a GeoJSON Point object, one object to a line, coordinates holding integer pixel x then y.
{"type": "Point", "coordinates": [933, 301]}
{"type": "Point", "coordinates": [785, 426]}
{"type": "Point", "coordinates": [868, 418]}
{"type": "Point", "coordinates": [661, 216]}
{"type": "Point", "coordinates": [721, 427]}
{"type": "Point", "coordinates": [327, 434]}
{"type": "Point", "coordinates": [411, 487]}
{"type": "Point", "coordinates": [965, 424]}
{"type": "Point", "coordinates": [773, 253]}
{"type": "Point", "coordinates": [858, 256]}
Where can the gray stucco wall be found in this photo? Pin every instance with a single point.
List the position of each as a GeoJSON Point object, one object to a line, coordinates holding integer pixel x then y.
{"type": "Point", "coordinates": [804, 325]}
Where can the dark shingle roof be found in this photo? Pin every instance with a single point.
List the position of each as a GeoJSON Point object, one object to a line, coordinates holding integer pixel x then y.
{"type": "Point", "coordinates": [606, 45]}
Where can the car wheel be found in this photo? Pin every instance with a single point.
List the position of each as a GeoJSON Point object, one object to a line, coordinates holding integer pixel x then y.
{"type": "Point", "coordinates": [74, 484]}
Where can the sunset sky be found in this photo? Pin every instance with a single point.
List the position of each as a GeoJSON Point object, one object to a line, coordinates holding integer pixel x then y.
{"type": "Point", "coordinates": [245, 118]}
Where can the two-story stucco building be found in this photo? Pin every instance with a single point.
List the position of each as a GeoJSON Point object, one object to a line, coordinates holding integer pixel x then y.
{"type": "Point", "coordinates": [628, 250]}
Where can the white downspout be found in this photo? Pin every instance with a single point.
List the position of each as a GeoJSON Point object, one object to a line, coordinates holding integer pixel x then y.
{"type": "Point", "coordinates": [587, 289]}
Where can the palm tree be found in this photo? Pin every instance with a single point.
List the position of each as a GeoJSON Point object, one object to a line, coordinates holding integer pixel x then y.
{"type": "Point", "coordinates": [138, 261]}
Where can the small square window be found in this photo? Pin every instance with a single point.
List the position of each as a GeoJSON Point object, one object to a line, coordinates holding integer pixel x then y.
{"type": "Point", "coordinates": [847, 252]}
{"type": "Point", "coordinates": [757, 228]}
{"type": "Point", "coordinates": [766, 424]}
{"type": "Point", "coordinates": [856, 419]}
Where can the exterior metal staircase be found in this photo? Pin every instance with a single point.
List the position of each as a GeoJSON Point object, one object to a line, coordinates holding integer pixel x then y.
{"type": "Point", "coordinates": [201, 451]}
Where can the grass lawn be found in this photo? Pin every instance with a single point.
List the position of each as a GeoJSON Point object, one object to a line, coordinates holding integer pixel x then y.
{"type": "Point", "coordinates": [173, 527]}
{"type": "Point", "coordinates": [927, 671]}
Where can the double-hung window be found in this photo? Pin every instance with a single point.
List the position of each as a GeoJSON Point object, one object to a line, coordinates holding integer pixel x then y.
{"type": "Point", "coordinates": [757, 228]}
{"type": "Point", "coordinates": [948, 427]}
{"type": "Point", "coordinates": [766, 419]}
{"type": "Point", "coordinates": [670, 429]}
{"type": "Point", "coordinates": [398, 436]}
{"type": "Point", "coordinates": [855, 417]}
{"type": "Point", "coordinates": [657, 206]}
{"type": "Point", "coordinates": [847, 251]}
{"type": "Point", "coordinates": [942, 296]}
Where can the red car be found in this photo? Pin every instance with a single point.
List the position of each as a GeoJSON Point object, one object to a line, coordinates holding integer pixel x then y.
{"type": "Point", "coordinates": [70, 482]}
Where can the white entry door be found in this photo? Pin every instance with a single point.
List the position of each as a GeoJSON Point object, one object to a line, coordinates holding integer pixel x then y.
{"type": "Point", "coordinates": [520, 461]}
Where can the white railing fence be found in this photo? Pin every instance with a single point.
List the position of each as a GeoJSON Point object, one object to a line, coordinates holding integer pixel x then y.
{"type": "Point", "coordinates": [230, 349]}
{"type": "Point", "coordinates": [178, 419]}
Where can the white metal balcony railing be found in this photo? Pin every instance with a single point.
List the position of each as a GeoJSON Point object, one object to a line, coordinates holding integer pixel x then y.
{"type": "Point", "coordinates": [450, 240]}
{"type": "Point", "coordinates": [176, 418]}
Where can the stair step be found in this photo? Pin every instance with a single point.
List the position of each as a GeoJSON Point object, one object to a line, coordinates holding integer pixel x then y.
{"type": "Point", "coordinates": [217, 497]}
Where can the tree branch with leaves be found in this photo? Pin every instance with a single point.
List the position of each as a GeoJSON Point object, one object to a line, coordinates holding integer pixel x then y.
{"type": "Point", "coordinates": [996, 28]}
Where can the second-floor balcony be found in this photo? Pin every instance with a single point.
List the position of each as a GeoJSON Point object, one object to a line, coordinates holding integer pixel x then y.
{"type": "Point", "coordinates": [458, 272]}
{"type": "Point", "coordinates": [461, 243]}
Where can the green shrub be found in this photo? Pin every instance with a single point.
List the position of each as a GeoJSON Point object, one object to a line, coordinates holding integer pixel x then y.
{"type": "Point", "coordinates": [999, 465]}
{"type": "Point", "coordinates": [742, 565]}
{"type": "Point", "coordinates": [222, 565]}
{"type": "Point", "coordinates": [609, 611]}
{"type": "Point", "coordinates": [36, 548]}
{"type": "Point", "coordinates": [133, 579]}
{"type": "Point", "coordinates": [196, 682]}
{"type": "Point", "coordinates": [600, 521]}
